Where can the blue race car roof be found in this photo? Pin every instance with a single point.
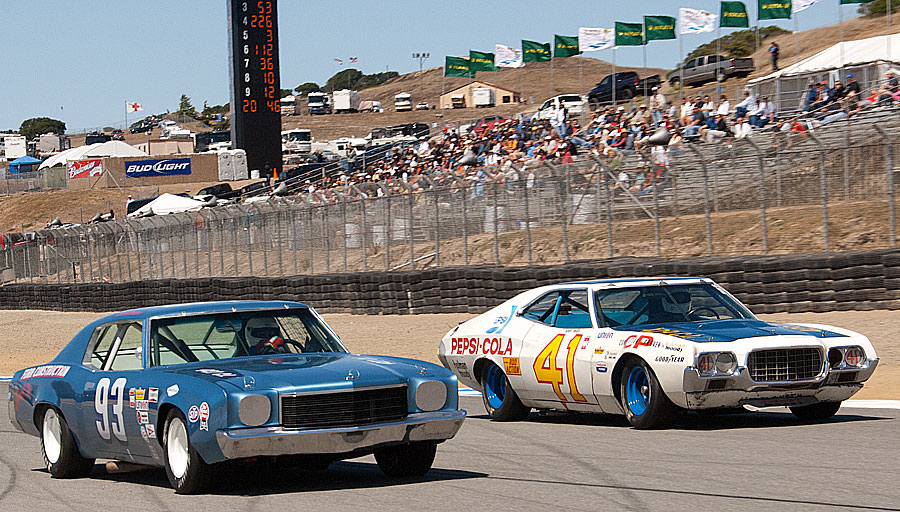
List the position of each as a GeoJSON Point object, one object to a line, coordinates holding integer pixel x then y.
{"type": "Point", "coordinates": [194, 308]}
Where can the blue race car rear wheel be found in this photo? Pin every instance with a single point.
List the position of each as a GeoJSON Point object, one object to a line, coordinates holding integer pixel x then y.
{"type": "Point", "coordinates": [643, 399]}
{"type": "Point", "coordinates": [500, 400]}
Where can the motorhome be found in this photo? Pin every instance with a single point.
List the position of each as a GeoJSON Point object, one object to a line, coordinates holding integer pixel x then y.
{"type": "Point", "coordinates": [346, 101]}
{"type": "Point", "coordinates": [290, 105]}
{"type": "Point", "coordinates": [298, 140]}
{"type": "Point", "coordinates": [403, 102]}
{"type": "Point", "coordinates": [318, 103]}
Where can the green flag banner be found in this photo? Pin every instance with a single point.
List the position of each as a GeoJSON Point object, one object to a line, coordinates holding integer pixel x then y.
{"type": "Point", "coordinates": [734, 14]}
{"type": "Point", "coordinates": [565, 46]}
{"type": "Point", "coordinates": [456, 66]}
{"type": "Point", "coordinates": [481, 61]}
{"type": "Point", "coordinates": [659, 27]}
{"type": "Point", "coordinates": [535, 52]}
{"type": "Point", "coordinates": [774, 10]}
{"type": "Point", "coordinates": [629, 34]}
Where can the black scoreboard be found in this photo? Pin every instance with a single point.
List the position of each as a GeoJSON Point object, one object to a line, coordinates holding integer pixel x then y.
{"type": "Point", "coordinates": [255, 83]}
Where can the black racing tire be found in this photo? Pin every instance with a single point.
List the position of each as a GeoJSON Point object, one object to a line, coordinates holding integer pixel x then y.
{"type": "Point", "coordinates": [186, 470]}
{"type": "Point", "coordinates": [816, 412]}
{"type": "Point", "coordinates": [405, 460]}
{"type": "Point", "coordinates": [627, 94]}
{"type": "Point", "coordinates": [675, 81]}
{"type": "Point", "coordinates": [500, 400]}
{"type": "Point", "coordinates": [61, 455]}
{"type": "Point", "coordinates": [721, 76]}
{"type": "Point", "coordinates": [645, 403]}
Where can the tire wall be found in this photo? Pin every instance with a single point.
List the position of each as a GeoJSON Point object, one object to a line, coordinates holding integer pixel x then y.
{"type": "Point", "coordinates": [812, 282]}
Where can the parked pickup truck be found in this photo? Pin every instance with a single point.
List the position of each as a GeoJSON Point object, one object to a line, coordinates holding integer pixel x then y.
{"type": "Point", "coordinates": [628, 85]}
{"type": "Point", "coordinates": [711, 67]}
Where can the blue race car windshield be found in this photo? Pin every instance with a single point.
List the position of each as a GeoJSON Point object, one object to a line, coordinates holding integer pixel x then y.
{"type": "Point", "coordinates": [646, 305]}
{"type": "Point", "coordinates": [190, 339]}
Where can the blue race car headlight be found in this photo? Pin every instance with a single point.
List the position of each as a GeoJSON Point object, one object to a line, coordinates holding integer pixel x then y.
{"type": "Point", "coordinates": [431, 395]}
{"type": "Point", "coordinates": [254, 410]}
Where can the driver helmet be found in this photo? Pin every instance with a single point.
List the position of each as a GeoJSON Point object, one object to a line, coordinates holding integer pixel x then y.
{"type": "Point", "coordinates": [682, 302]}
{"type": "Point", "coordinates": [264, 336]}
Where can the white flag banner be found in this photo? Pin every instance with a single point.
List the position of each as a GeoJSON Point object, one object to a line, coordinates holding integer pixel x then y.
{"type": "Point", "coordinates": [133, 106]}
{"type": "Point", "coordinates": [507, 56]}
{"type": "Point", "coordinates": [802, 5]}
{"type": "Point", "coordinates": [695, 21]}
{"type": "Point", "coordinates": [593, 39]}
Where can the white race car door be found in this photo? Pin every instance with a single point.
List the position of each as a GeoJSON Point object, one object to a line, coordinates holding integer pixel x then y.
{"type": "Point", "coordinates": [561, 326]}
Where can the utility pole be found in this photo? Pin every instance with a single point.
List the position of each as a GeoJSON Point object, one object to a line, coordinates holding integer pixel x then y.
{"type": "Point", "coordinates": [422, 57]}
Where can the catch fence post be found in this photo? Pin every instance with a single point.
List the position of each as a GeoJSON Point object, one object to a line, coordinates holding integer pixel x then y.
{"type": "Point", "coordinates": [823, 178]}
{"type": "Point", "coordinates": [762, 194]}
{"type": "Point", "coordinates": [562, 193]}
{"type": "Point", "coordinates": [343, 199]}
{"type": "Point", "coordinates": [889, 170]}
{"type": "Point", "coordinates": [709, 243]}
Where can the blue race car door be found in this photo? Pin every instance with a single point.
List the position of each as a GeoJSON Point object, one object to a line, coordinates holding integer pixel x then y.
{"type": "Point", "coordinates": [116, 398]}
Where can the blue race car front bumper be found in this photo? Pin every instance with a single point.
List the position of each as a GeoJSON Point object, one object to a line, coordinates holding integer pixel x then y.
{"type": "Point", "coordinates": [428, 426]}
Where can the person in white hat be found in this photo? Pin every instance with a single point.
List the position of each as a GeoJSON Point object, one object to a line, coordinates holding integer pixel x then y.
{"type": "Point", "coordinates": [658, 105]}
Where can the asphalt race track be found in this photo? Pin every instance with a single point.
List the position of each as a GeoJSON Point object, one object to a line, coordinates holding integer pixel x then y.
{"type": "Point", "coordinates": [752, 461]}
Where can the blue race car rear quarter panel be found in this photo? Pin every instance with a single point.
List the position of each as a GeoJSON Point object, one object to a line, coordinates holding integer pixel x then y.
{"type": "Point", "coordinates": [712, 331]}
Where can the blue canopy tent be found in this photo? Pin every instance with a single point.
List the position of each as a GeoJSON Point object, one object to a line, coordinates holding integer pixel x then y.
{"type": "Point", "coordinates": [23, 164]}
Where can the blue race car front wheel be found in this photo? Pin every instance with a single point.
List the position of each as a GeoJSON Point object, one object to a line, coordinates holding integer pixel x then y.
{"type": "Point", "coordinates": [500, 400]}
{"type": "Point", "coordinates": [643, 399]}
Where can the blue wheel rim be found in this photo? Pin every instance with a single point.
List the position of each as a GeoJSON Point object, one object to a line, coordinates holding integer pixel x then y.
{"type": "Point", "coordinates": [635, 387]}
{"type": "Point", "coordinates": [495, 387]}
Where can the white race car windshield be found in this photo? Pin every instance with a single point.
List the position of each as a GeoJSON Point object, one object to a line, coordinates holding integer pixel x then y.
{"type": "Point", "coordinates": [189, 339]}
{"type": "Point", "coordinates": [647, 305]}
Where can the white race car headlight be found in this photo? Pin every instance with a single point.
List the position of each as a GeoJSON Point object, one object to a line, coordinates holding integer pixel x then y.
{"type": "Point", "coordinates": [846, 357]}
{"type": "Point", "coordinates": [254, 410]}
{"type": "Point", "coordinates": [710, 364]}
{"type": "Point", "coordinates": [431, 395]}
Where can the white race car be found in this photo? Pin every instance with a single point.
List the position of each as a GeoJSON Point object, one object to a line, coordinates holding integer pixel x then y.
{"type": "Point", "coordinates": [647, 348]}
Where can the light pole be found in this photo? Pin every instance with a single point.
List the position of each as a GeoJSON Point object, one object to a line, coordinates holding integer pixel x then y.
{"type": "Point", "coordinates": [421, 56]}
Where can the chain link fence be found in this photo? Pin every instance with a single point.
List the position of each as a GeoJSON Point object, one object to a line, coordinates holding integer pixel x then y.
{"type": "Point", "coordinates": [689, 200]}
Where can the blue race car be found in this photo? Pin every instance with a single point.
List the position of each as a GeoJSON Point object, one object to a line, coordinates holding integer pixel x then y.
{"type": "Point", "coordinates": [188, 386]}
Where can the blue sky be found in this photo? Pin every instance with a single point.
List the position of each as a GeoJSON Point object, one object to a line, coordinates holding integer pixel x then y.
{"type": "Point", "coordinates": [79, 61]}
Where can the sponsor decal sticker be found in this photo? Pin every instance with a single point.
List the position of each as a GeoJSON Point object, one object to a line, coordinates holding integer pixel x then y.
{"type": "Point", "coordinates": [140, 394]}
{"type": "Point", "coordinates": [166, 167]}
{"type": "Point", "coordinates": [601, 367]}
{"type": "Point", "coordinates": [598, 351]}
{"type": "Point", "coordinates": [153, 395]}
{"type": "Point", "coordinates": [193, 414]}
{"type": "Point", "coordinates": [50, 370]}
{"type": "Point", "coordinates": [204, 416]}
{"type": "Point", "coordinates": [669, 359]}
{"type": "Point", "coordinates": [492, 346]}
{"type": "Point", "coordinates": [461, 368]}
{"type": "Point", "coordinates": [131, 398]}
{"type": "Point", "coordinates": [604, 335]}
{"type": "Point", "coordinates": [511, 365]}
{"type": "Point", "coordinates": [501, 322]}
{"type": "Point", "coordinates": [674, 332]}
{"type": "Point", "coordinates": [611, 354]}
{"type": "Point", "coordinates": [141, 405]}
{"type": "Point", "coordinates": [151, 431]}
{"type": "Point", "coordinates": [143, 417]}
{"type": "Point", "coordinates": [172, 390]}
{"type": "Point", "coordinates": [144, 433]}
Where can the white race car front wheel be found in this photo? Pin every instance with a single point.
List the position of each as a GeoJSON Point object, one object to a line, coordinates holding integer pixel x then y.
{"type": "Point", "coordinates": [645, 403]}
{"type": "Point", "coordinates": [500, 400]}
{"type": "Point", "coordinates": [816, 412]}
{"type": "Point", "coordinates": [187, 472]}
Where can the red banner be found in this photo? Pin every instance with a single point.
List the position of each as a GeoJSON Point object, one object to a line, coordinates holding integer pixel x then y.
{"type": "Point", "coordinates": [85, 169]}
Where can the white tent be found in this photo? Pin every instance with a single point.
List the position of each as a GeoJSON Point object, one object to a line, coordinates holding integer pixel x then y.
{"type": "Point", "coordinates": [98, 150]}
{"type": "Point", "coordinates": [855, 53]}
{"type": "Point", "coordinates": [168, 203]}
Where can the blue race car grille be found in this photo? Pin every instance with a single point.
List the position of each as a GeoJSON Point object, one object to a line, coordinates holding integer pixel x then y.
{"type": "Point", "coordinates": [344, 409]}
{"type": "Point", "coordinates": [785, 364]}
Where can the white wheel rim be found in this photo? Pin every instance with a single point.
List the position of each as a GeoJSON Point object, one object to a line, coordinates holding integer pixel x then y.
{"type": "Point", "coordinates": [177, 447]}
{"type": "Point", "coordinates": [52, 436]}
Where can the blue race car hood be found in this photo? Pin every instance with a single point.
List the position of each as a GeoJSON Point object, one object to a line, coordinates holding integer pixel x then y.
{"type": "Point", "coordinates": [300, 372]}
{"type": "Point", "coordinates": [727, 330]}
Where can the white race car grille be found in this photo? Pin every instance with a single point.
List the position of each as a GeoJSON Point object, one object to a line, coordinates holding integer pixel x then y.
{"type": "Point", "coordinates": [785, 364]}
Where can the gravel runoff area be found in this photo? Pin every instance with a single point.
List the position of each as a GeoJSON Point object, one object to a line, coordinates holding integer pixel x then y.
{"type": "Point", "coordinates": [33, 337]}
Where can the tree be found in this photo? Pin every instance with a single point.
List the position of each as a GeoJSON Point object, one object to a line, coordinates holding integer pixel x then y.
{"type": "Point", "coordinates": [35, 126]}
{"type": "Point", "coordinates": [286, 92]}
{"type": "Point", "coordinates": [184, 106]}
{"type": "Point", "coordinates": [738, 44]}
{"type": "Point", "coordinates": [307, 88]}
{"type": "Point", "coordinates": [878, 8]}
{"type": "Point", "coordinates": [345, 79]}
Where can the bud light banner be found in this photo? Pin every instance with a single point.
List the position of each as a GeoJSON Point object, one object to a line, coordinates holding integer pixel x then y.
{"type": "Point", "coordinates": [150, 168]}
{"type": "Point", "coordinates": [84, 169]}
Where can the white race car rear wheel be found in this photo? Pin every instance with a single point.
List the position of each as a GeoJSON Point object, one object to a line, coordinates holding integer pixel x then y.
{"type": "Point", "coordinates": [61, 455]}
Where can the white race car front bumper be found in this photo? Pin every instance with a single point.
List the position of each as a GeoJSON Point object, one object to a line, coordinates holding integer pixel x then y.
{"type": "Point", "coordinates": [739, 389]}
